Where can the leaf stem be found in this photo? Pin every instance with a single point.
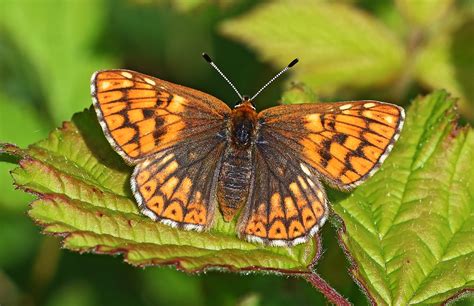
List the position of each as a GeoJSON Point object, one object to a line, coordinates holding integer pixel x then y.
{"type": "Point", "coordinates": [44, 267]}
{"type": "Point", "coordinates": [329, 292]}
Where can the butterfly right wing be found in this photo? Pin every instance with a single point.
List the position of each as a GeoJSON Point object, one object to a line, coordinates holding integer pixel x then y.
{"type": "Point", "coordinates": [286, 206]}
{"type": "Point", "coordinates": [178, 186]}
{"type": "Point", "coordinates": [345, 142]}
{"type": "Point", "coordinates": [142, 115]}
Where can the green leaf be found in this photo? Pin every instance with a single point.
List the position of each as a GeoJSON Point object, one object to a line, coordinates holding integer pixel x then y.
{"type": "Point", "coordinates": [337, 44]}
{"type": "Point", "coordinates": [84, 195]}
{"type": "Point", "coordinates": [446, 62]}
{"type": "Point", "coordinates": [299, 93]}
{"type": "Point", "coordinates": [423, 13]}
{"type": "Point", "coordinates": [57, 39]}
{"type": "Point", "coordinates": [188, 5]}
{"type": "Point", "coordinates": [409, 229]}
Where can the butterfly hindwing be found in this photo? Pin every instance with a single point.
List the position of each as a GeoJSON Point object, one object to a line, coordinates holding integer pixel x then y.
{"type": "Point", "coordinates": [345, 142]}
{"type": "Point", "coordinates": [287, 204]}
{"type": "Point", "coordinates": [177, 186]}
{"type": "Point", "coordinates": [142, 115]}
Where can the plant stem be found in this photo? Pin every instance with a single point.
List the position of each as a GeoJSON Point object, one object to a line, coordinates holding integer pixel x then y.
{"type": "Point", "coordinates": [329, 292]}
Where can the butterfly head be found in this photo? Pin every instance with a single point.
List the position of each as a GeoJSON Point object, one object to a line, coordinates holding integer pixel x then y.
{"type": "Point", "coordinates": [245, 102]}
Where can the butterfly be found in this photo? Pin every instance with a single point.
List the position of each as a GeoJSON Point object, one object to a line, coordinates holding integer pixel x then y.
{"type": "Point", "coordinates": [193, 154]}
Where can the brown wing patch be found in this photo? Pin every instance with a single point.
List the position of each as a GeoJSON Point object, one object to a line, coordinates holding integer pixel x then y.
{"type": "Point", "coordinates": [142, 115]}
{"type": "Point", "coordinates": [287, 205]}
{"type": "Point", "coordinates": [177, 187]}
{"type": "Point", "coordinates": [345, 142]}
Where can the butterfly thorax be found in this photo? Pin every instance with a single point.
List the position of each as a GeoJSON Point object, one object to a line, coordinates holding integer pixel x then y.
{"type": "Point", "coordinates": [242, 127]}
{"type": "Point", "coordinates": [236, 170]}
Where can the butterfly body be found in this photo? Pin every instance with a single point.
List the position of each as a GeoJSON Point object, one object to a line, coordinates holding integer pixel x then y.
{"type": "Point", "coordinates": [235, 173]}
{"type": "Point", "coordinates": [193, 154]}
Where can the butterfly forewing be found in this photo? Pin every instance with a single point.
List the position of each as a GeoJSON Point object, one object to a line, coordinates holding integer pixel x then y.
{"type": "Point", "coordinates": [344, 142]}
{"type": "Point", "coordinates": [142, 115]}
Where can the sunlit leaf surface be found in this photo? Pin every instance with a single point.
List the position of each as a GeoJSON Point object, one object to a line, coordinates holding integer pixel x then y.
{"type": "Point", "coordinates": [410, 228]}
{"type": "Point", "coordinates": [336, 44]}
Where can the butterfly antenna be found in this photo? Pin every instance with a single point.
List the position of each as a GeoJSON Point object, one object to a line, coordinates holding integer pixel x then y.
{"type": "Point", "coordinates": [293, 62]}
{"type": "Point", "coordinates": [209, 60]}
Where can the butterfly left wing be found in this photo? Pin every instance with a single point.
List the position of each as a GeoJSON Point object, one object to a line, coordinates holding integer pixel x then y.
{"type": "Point", "coordinates": [286, 206]}
{"type": "Point", "coordinates": [143, 115]}
{"type": "Point", "coordinates": [173, 134]}
{"type": "Point", "coordinates": [344, 142]}
{"type": "Point", "coordinates": [178, 186]}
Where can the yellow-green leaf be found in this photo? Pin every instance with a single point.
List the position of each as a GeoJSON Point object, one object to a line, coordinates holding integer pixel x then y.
{"type": "Point", "coordinates": [337, 44]}
{"type": "Point", "coordinates": [410, 228]}
{"type": "Point", "coordinates": [57, 41]}
{"type": "Point", "coordinates": [446, 62]}
{"type": "Point", "coordinates": [423, 12]}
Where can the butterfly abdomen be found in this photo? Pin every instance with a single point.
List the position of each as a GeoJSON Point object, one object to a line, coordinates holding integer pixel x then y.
{"type": "Point", "coordinates": [234, 181]}
{"type": "Point", "coordinates": [236, 169]}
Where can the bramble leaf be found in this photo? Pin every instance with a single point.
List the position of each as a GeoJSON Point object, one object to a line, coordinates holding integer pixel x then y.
{"type": "Point", "coordinates": [84, 195]}
{"type": "Point", "coordinates": [410, 228]}
{"type": "Point", "coordinates": [339, 45]}
{"type": "Point", "coordinates": [446, 62]}
{"type": "Point", "coordinates": [423, 13]}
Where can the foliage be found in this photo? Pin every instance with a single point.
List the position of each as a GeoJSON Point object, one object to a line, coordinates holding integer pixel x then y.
{"type": "Point", "coordinates": [355, 49]}
{"type": "Point", "coordinates": [409, 228]}
{"type": "Point", "coordinates": [337, 45]}
{"type": "Point", "coordinates": [344, 47]}
{"type": "Point", "coordinates": [83, 195]}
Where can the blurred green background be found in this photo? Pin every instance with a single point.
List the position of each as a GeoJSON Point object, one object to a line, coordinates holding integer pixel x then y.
{"type": "Point", "coordinates": [49, 49]}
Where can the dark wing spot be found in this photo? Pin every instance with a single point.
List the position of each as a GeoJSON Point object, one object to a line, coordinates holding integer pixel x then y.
{"type": "Point", "coordinates": [327, 144]}
{"type": "Point", "coordinates": [148, 113]}
{"type": "Point", "coordinates": [157, 135]}
{"type": "Point", "coordinates": [322, 118]}
{"type": "Point", "coordinates": [359, 151]}
{"type": "Point", "coordinates": [348, 164]}
{"type": "Point", "coordinates": [326, 156]}
{"type": "Point", "coordinates": [332, 124]}
{"type": "Point", "coordinates": [340, 138]}
{"type": "Point", "coordinates": [159, 130]}
{"type": "Point", "coordinates": [159, 122]}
